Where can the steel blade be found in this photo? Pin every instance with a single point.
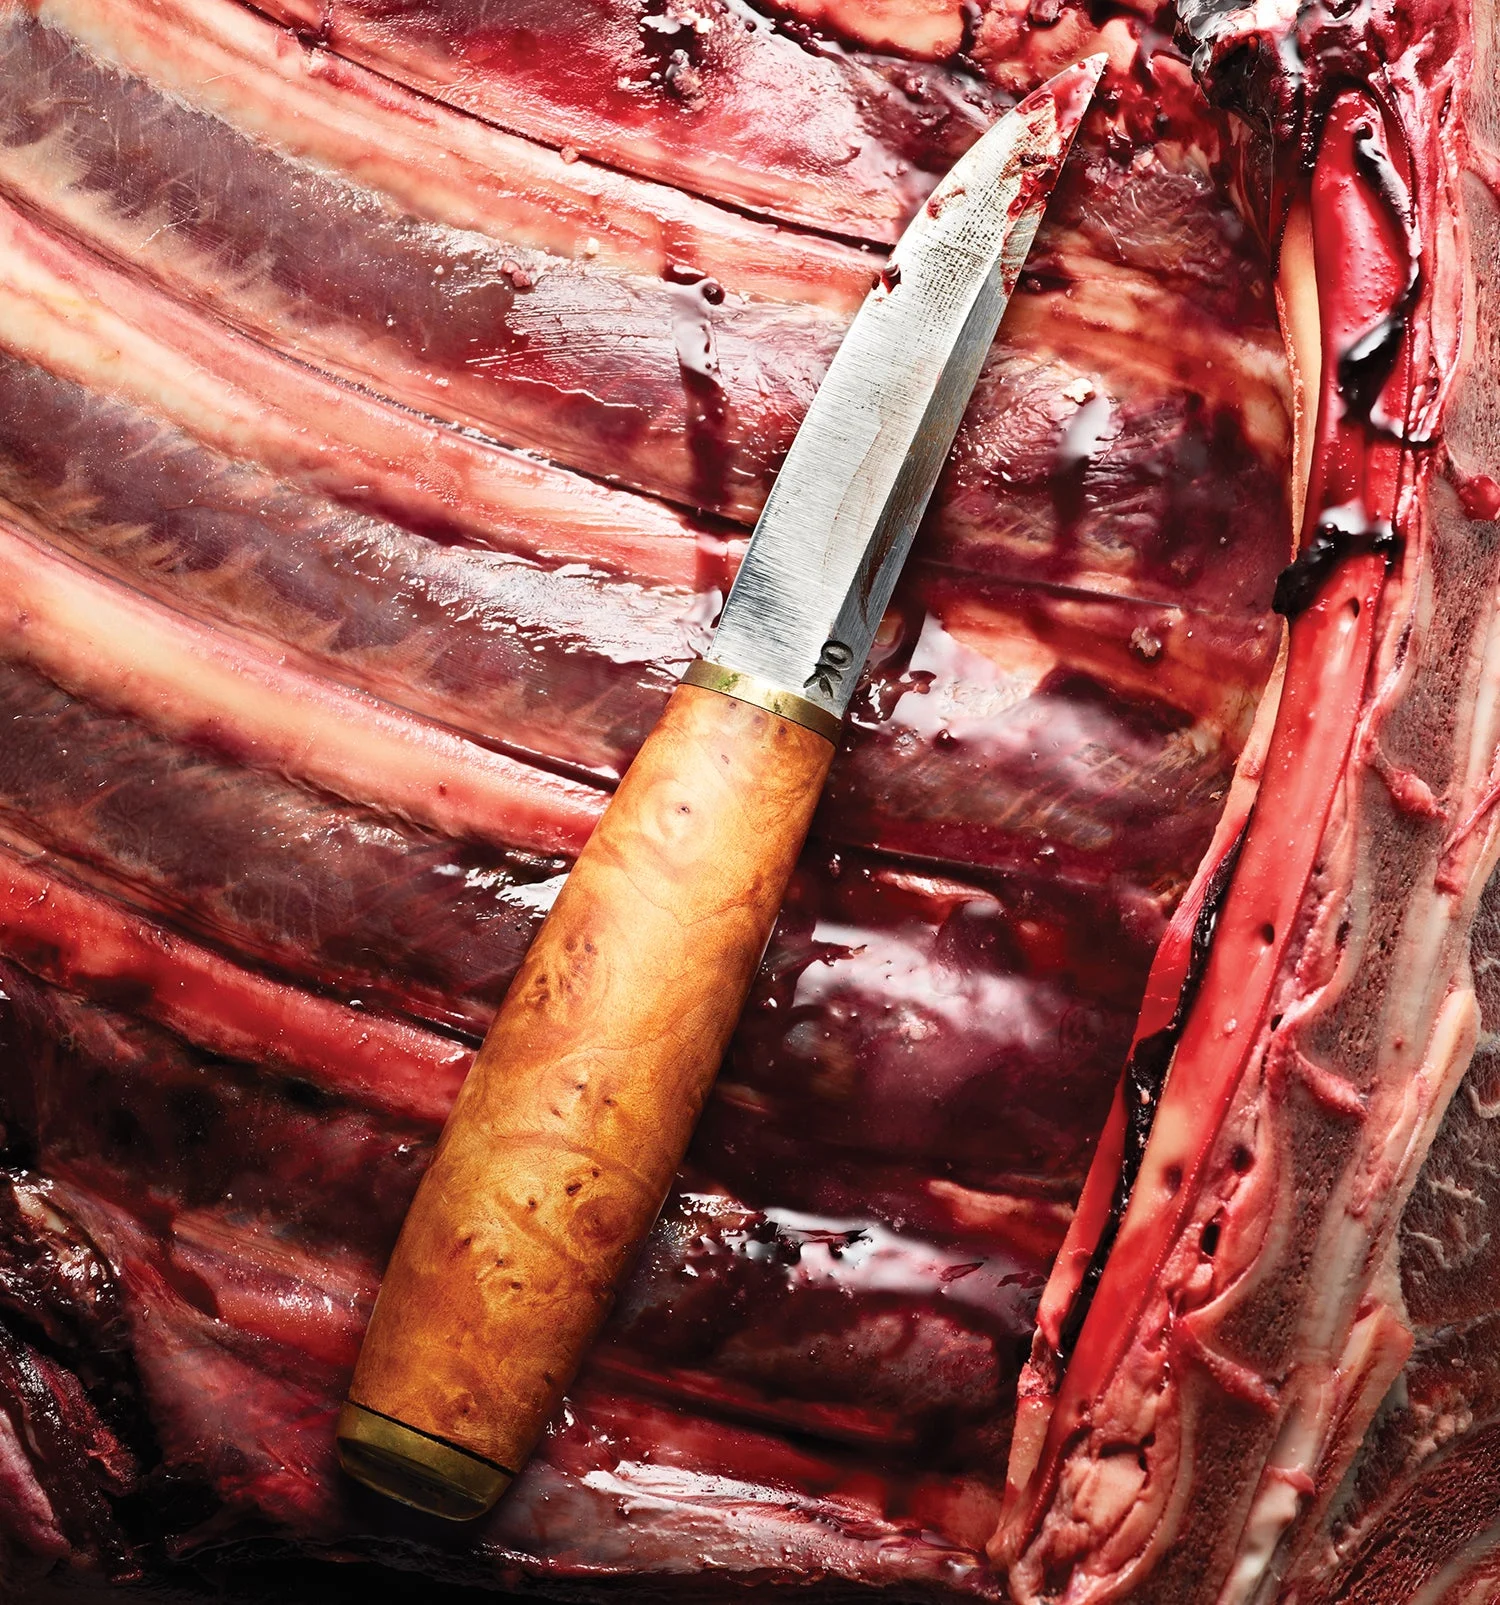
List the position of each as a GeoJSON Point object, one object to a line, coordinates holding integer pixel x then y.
{"type": "Point", "coordinates": [841, 516]}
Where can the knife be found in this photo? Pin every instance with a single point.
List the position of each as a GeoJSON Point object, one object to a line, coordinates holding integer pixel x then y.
{"type": "Point", "coordinates": [572, 1123]}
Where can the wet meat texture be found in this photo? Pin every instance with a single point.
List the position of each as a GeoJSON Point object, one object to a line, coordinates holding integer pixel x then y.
{"type": "Point", "coordinates": [1236, 1388]}
{"type": "Point", "coordinates": [386, 395]}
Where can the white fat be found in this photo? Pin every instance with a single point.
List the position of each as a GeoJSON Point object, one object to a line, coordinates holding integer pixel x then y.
{"type": "Point", "coordinates": [1274, 1510]}
{"type": "Point", "coordinates": [1301, 326]}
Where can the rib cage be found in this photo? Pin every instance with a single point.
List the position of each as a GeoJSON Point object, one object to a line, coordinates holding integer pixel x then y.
{"type": "Point", "coordinates": [282, 536]}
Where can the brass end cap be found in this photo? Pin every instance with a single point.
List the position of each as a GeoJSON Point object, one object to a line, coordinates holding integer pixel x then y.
{"type": "Point", "coordinates": [415, 1468]}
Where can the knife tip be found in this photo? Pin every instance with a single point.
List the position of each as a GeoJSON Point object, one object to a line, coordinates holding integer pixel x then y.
{"type": "Point", "coordinates": [1070, 92]}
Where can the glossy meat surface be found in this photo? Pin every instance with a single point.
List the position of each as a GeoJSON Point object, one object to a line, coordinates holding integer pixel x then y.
{"type": "Point", "coordinates": [1235, 1391]}
{"type": "Point", "coordinates": [385, 398]}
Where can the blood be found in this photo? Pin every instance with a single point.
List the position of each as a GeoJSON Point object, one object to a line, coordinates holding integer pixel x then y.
{"type": "Point", "coordinates": [1343, 532]}
{"type": "Point", "coordinates": [1366, 365]}
{"type": "Point", "coordinates": [1480, 496]}
{"type": "Point", "coordinates": [1361, 215]}
{"type": "Point", "coordinates": [1145, 1076]}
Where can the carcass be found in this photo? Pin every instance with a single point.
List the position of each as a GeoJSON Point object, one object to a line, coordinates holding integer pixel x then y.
{"type": "Point", "coordinates": [385, 395]}
{"type": "Point", "coordinates": [1240, 1292]}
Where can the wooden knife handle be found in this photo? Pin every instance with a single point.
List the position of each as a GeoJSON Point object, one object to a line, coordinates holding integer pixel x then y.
{"type": "Point", "coordinates": [575, 1116]}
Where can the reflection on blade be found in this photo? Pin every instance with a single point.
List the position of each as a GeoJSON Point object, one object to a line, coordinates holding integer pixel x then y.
{"type": "Point", "coordinates": [840, 519]}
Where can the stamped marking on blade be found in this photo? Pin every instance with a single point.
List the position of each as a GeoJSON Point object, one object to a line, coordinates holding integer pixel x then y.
{"type": "Point", "coordinates": [834, 662]}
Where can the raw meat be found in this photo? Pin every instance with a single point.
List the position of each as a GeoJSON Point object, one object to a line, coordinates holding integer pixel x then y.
{"type": "Point", "coordinates": [1262, 1272]}
{"type": "Point", "coordinates": [386, 393]}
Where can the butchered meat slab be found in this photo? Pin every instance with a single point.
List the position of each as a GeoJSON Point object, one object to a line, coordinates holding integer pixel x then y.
{"type": "Point", "coordinates": [387, 392]}
{"type": "Point", "coordinates": [1259, 1368]}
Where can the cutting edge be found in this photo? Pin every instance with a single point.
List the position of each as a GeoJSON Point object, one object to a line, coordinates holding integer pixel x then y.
{"type": "Point", "coordinates": [840, 520]}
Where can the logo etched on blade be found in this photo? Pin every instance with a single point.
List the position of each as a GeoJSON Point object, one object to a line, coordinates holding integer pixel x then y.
{"type": "Point", "coordinates": [834, 662]}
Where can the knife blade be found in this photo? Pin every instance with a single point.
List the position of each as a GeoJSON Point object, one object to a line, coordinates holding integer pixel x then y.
{"type": "Point", "coordinates": [842, 514]}
{"type": "Point", "coordinates": [574, 1118]}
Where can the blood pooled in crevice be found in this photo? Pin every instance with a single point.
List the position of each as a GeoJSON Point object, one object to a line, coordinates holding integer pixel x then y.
{"type": "Point", "coordinates": [672, 41]}
{"type": "Point", "coordinates": [1145, 1079]}
{"type": "Point", "coordinates": [1366, 366]}
{"type": "Point", "coordinates": [1342, 532]}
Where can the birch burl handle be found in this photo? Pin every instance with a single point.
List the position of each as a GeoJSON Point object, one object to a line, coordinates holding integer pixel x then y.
{"type": "Point", "coordinates": [572, 1123]}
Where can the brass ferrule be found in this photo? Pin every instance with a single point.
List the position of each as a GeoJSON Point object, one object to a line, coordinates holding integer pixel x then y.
{"type": "Point", "coordinates": [789, 705]}
{"type": "Point", "coordinates": [415, 1468]}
